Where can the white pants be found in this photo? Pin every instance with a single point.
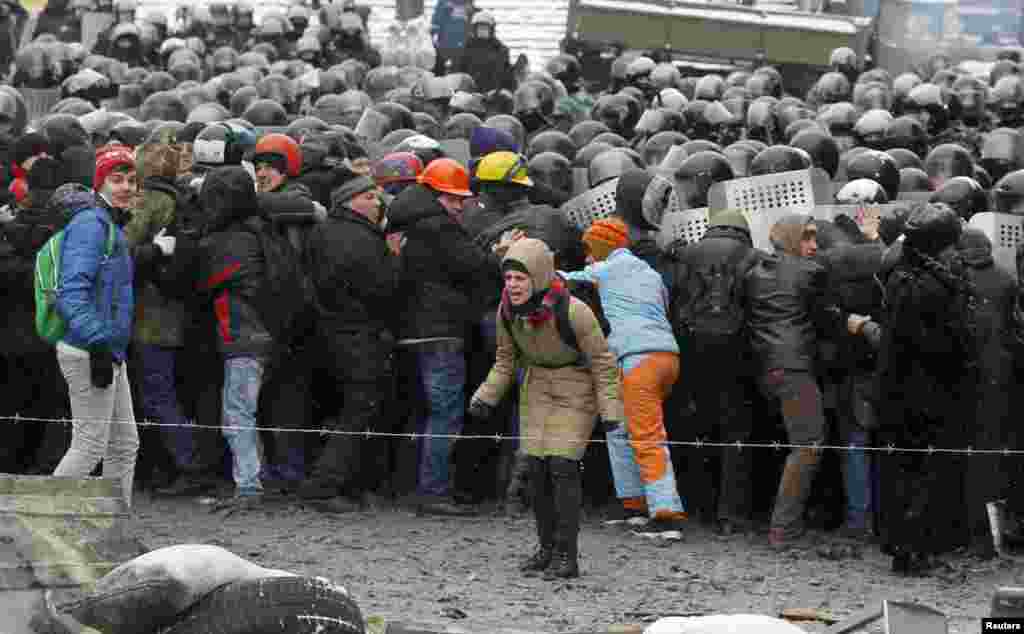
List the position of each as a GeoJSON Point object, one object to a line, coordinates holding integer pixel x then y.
{"type": "Point", "coordinates": [104, 423]}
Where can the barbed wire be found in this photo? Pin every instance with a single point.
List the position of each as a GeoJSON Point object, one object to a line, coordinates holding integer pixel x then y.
{"type": "Point", "coordinates": [697, 443]}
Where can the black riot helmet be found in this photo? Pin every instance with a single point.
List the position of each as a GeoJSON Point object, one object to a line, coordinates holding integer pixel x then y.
{"type": "Point", "coordinates": [611, 139]}
{"type": "Point", "coordinates": [947, 161]}
{"type": "Point", "coordinates": [427, 125]}
{"type": "Point", "coordinates": [873, 95]}
{"type": "Point", "coordinates": [566, 69]}
{"type": "Point", "coordinates": [612, 164]}
{"type": "Point", "coordinates": [927, 103]}
{"type": "Point", "coordinates": [907, 133]}
{"type": "Point", "coordinates": [695, 176]}
{"type": "Point", "coordinates": [832, 88]}
{"type": "Point", "coordinates": [839, 118]}
{"type": "Point", "coordinates": [871, 127]}
{"type": "Point", "coordinates": [877, 166]}
{"type": "Point", "coordinates": [795, 128]}
{"type": "Point", "coordinates": [779, 158]}
{"type": "Point", "coordinates": [655, 148]}
{"type": "Point", "coordinates": [822, 148]}
{"type": "Point", "coordinates": [586, 154]}
{"type": "Point", "coordinates": [740, 155]}
{"type": "Point", "coordinates": [723, 126]}
{"type": "Point", "coordinates": [533, 99]}
{"type": "Point", "coordinates": [553, 170]}
{"type": "Point", "coordinates": [264, 112]}
{"type": "Point", "coordinates": [844, 60]}
{"type": "Point", "coordinates": [861, 191]}
{"type": "Point", "coordinates": [762, 123]}
{"type": "Point", "coordinates": [551, 141]}
{"type": "Point", "coordinates": [468, 102]}
{"type": "Point", "coordinates": [1007, 99]}
{"type": "Point", "coordinates": [619, 112]}
{"type": "Point", "coordinates": [499, 101]}
{"type": "Point", "coordinates": [584, 132]}
{"type": "Point", "coordinates": [1008, 194]}
{"type": "Point", "coordinates": [1001, 151]}
{"type": "Point", "coordinates": [461, 126]}
{"type": "Point", "coordinates": [914, 179]}
{"type": "Point", "coordinates": [665, 75]}
{"type": "Point", "coordinates": [905, 158]}
{"type": "Point", "coordinates": [964, 194]}
{"type": "Point", "coordinates": [973, 95]}
{"type": "Point", "coordinates": [1001, 69]}
{"type": "Point", "coordinates": [901, 87]}
{"type": "Point", "coordinates": [709, 88]}
{"type": "Point", "coordinates": [700, 145]}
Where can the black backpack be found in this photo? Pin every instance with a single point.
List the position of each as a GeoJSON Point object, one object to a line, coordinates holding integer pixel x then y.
{"type": "Point", "coordinates": [286, 298]}
{"type": "Point", "coordinates": [714, 303]}
{"type": "Point", "coordinates": [587, 293]}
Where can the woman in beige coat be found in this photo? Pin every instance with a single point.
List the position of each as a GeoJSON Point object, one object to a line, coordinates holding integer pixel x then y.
{"type": "Point", "coordinates": [566, 385]}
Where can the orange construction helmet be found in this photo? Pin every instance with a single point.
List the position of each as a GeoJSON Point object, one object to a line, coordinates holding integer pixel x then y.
{"type": "Point", "coordinates": [280, 145]}
{"type": "Point", "coordinates": [447, 176]}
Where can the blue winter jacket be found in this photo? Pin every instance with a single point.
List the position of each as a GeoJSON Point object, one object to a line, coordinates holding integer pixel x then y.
{"type": "Point", "coordinates": [95, 296]}
{"type": "Point", "coordinates": [635, 301]}
{"type": "Point", "coordinates": [450, 23]}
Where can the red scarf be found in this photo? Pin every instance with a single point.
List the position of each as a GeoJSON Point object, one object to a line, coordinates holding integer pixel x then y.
{"type": "Point", "coordinates": [546, 310]}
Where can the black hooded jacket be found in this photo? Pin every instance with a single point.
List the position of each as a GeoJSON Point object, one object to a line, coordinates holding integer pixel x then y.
{"type": "Point", "coordinates": [543, 223]}
{"type": "Point", "coordinates": [354, 274]}
{"type": "Point", "coordinates": [447, 281]}
{"type": "Point", "coordinates": [232, 266]}
{"type": "Point", "coordinates": [486, 61]}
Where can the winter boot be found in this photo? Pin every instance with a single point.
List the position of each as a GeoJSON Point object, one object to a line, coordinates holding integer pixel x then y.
{"type": "Point", "coordinates": [568, 498]}
{"type": "Point", "coordinates": [544, 511]}
{"type": "Point", "coordinates": [794, 489]}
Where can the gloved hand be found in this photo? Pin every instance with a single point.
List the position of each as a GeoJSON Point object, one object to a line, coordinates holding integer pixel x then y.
{"type": "Point", "coordinates": [165, 242]}
{"type": "Point", "coordinates": [480, 410]}
{"type": "Point", "coordinates": [610, 425]}
{"type": "Point", "coordinates": [101, 367]}
{"type": "Point", "coordinates": [319, 212]}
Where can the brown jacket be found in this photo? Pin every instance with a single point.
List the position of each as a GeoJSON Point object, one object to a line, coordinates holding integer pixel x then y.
{"type": "Point", "coordinates": [558, 403]}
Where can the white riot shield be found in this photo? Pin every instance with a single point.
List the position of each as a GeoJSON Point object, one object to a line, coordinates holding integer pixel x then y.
{"type": "Point", "coordinates": [1006, 231]}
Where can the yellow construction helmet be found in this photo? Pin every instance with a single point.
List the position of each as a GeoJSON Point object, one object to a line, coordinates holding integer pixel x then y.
{"type": "Point", "coordinates": [503, 167]}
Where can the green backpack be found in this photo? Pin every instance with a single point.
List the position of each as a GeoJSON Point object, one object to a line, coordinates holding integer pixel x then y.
{"type": "Point", "coordinates": [50, 326]}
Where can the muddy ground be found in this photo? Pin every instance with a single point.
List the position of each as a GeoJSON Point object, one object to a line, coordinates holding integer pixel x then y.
{"type": "Point", "coordinates": [463, 571]}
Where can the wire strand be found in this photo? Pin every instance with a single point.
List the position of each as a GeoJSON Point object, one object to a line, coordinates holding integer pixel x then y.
{"type": "Point", "coordinates": [696, 443]}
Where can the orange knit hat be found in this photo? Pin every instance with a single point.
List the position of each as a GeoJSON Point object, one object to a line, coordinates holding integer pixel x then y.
{"type": "Point", "coordinates": [604, 236]}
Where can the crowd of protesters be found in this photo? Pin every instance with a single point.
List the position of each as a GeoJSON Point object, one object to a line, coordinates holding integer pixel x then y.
{"type": "Point", "coordinates": [248, 255]}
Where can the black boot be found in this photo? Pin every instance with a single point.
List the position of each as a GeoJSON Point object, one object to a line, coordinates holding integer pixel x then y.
{"type": "Point", "coordinates": [568, 497]}
{"type": "Point", "coordinates": [544, 510]}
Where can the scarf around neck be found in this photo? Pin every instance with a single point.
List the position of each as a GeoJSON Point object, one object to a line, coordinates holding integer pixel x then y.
{"type": "Point", "coordinates": [540, 307]}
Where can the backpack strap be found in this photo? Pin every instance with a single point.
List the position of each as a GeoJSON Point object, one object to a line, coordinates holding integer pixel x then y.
{"type": "Point", "coordinates": [565, 333]}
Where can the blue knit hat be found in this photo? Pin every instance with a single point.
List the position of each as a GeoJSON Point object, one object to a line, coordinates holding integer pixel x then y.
{"type": "Point", "coordinates": [485, 140]}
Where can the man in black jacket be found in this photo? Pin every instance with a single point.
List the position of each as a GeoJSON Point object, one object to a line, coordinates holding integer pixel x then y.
{"type": "Point", "coordinates": [355, 278]}
{"type": "Point", "coordinates": [233, 274]}
{"type": "Point", "coordinates": [447, 281]}
{"type": "Point", "coordinates": [790, 310]}
{"type": "Point", "coordinates": [708, 307]}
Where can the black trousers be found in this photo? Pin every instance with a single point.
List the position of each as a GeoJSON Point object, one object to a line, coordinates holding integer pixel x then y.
{"type": "Point", "coordinates": [360, 367]}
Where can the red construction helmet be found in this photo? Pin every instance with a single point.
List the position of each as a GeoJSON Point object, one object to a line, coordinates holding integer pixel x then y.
{"type": "Point", "coordinates": [280, 145]}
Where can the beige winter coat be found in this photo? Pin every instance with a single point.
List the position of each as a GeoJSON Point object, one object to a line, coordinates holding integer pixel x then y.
{"type": "Point", "coordinates": [558, 404]}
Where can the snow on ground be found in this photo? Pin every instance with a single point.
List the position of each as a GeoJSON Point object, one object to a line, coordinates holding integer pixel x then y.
{"type": "Point", "coordinates": [402, 567]}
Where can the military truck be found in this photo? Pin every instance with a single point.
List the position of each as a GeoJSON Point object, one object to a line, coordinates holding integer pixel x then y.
{"type": "Point", "coordinates": [695, 33]}
{"type": "Point", "coordinates": [797, 38]}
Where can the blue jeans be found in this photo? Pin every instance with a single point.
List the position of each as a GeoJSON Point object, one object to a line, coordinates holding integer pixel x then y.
{"type": "Point", "coordinates": [857, 473]}
{"type": "Point", "coordinates": [442, 377]}
{"type": "Point", "coordinates": [160, 403]}
{"type": "Point", "coordinates": [243, 378]}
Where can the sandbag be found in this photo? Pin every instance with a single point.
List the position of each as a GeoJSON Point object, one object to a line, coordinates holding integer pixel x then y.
{"type": "Point", "coordinates": [723, 624]}
{"type": "Point", "coordinates": [409, 44]}
{"type": "Point", "coordinates": [152, 591]}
